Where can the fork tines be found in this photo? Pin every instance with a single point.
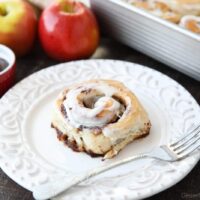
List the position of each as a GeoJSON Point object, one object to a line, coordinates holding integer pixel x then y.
{"type": "Point", "coordinates": [188, 143]}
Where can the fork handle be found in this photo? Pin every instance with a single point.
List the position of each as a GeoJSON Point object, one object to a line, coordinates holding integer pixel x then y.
{"type": "Point", "coordinates": [50, 190]}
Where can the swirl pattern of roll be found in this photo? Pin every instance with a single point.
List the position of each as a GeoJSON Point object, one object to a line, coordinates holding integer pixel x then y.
{"type": "Point", "coordinates": [99, 117]}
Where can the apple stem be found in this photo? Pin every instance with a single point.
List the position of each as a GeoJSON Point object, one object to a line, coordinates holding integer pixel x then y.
{"type": "Point", "coordinates": [67, 6]}
{"type": "Point", "coordinates": [3, 12]}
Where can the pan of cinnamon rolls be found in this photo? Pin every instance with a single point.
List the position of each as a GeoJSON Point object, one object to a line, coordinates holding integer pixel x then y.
{"type": "Point", "coordinates": [166, 30]}
{"type": "Point", "coordinates": [99, 117]}
{"type": "Point", "coordinates": [185, 13]}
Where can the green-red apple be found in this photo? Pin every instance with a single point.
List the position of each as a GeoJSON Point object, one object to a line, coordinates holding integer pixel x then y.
{"type": "Point", "coordinates": [18, 23]}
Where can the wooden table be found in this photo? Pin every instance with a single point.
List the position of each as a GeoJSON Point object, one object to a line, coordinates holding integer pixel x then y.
{"type": "Point", "coordinates": [188, 188]}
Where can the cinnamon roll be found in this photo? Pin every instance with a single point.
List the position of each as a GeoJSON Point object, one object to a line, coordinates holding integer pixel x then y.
{"type": "Point", "coordinates": [162, 10]}
{"type": "Point", "coordinates": [158, 8]}
{"type": "Point", "coordinates": [99, 117]}
{"type": "Point", "coordinates": [191, 23]}
{"type": "Point", "coordinates": [184, 7]}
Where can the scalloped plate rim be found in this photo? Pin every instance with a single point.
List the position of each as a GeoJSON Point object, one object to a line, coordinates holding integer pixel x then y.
{"type": "Point", "coordinates": [4, 168]}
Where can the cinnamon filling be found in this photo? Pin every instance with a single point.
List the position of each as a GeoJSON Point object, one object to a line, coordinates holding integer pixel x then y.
{"type": "Point", "coordinates": [122, 107]}
{"type": "Point", "coordinates": [63, 110]}
{"type": "Point", "coordinates": [72, 143]}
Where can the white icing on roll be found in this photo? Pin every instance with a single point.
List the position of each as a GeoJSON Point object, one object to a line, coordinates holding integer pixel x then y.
{"type": "Point", "coordinates": [186, 18]}
{"type": "Point", "coordinates": [102, 112]}
{"type": "Point", "coordinates": [184, 7]}
{"type": "Point", "coordinates": [191, 23]}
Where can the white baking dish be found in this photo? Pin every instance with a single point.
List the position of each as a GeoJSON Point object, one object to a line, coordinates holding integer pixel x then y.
{"type": "Point", "coordinates": [160, 39]}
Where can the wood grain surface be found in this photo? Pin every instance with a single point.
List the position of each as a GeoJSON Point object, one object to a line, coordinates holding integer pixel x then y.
{"type": "Point", "coordinates": [187, 189]}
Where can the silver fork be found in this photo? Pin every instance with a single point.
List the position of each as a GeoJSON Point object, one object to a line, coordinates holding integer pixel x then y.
{"type": "Point", "coordinates": [170, 153]}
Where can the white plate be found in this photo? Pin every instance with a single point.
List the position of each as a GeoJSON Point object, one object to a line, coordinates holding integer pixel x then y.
{"type": "Point", "coordinates": [31, 155]}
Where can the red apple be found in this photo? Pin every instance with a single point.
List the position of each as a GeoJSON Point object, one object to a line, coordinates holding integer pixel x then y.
{"type": "Point", "coordinates": [18, 24]}
{"type": "Point", "coordinates": [68, 30]}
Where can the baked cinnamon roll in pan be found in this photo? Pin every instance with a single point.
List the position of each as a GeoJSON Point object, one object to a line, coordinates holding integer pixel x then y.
{"type": "Point", "coordinates": [159, 9]}
{"type": "Point", "coordinates": [184, 7]}
{"type": "Point", "coordinates": [99, 117]}
{"type": "Point", "coordinates": [191, 23]}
